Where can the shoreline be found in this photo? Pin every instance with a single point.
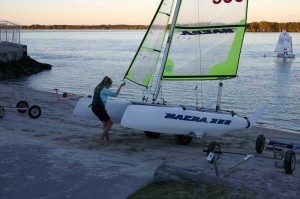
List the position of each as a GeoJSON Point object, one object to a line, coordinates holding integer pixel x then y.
{"type": "Point", "coordinates": [58, 155]}
{"type": "Point", "coordinates": [282, 130]}
{"type": "Point", "coordinates": [262, 26]}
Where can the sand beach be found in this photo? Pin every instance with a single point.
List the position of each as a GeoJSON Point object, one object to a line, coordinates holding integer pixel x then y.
{"type": "Point", "coordinates": [58, 155]}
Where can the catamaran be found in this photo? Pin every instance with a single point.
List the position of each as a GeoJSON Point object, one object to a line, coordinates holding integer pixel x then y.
{"type": "Point", "coordinates": [284, 46]}
{"type": "Point", "coordinates": [203, 42]}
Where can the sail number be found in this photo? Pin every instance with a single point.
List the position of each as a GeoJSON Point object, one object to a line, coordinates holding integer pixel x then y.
{"type": "Point", "coordinates": [225, 1]}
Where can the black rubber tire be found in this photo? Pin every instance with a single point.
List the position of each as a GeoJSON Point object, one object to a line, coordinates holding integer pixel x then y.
{"type": "Point", "coordinates": [22, 104]}
{"type": "Point", "coordinates": [183, 139]}
{"type": "Point", "coordinates": [214, 147]}
{"type": "Point", "coordinates": [150, 134]}
{"type": "Point", "coordinates": [34, 112]}
{"type": "Point", "coordinates": [289, 161]}
{"type": "Point", "coordinates": [260, 143]}
{"type": "Point", "coordinates": [2, 112]}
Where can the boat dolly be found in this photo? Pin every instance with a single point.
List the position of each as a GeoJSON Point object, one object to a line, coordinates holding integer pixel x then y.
{"type": "Point", "coordinates": [213, 154]}
{"type": "Point", "coordinates": [288, 158]}
{"type": "Point", "coordinates": [22, 106]}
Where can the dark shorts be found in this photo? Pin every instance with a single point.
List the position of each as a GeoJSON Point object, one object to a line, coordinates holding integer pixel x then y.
{"type": "Point", "coordinates": [101, 114]}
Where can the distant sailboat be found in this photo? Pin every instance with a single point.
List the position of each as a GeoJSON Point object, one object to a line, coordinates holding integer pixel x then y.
{"type": "Point", "coordinates": [204, 43]}
{"type": "Point", "coordinates": [284, 46]}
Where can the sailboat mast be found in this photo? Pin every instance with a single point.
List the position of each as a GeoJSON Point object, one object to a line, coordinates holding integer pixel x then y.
{"type": "Point", "coordinates": [164, 60]}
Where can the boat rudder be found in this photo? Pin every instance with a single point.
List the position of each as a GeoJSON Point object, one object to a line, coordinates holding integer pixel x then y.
{"type": "Point", "coordinates": [259, 112]}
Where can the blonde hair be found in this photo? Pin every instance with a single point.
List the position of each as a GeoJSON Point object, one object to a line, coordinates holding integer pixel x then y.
{"type": "Point", "coordinates": [105, 80]}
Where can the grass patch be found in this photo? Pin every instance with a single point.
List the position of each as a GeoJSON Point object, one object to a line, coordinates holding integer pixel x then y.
{"type": "Point", "coordinates": [175, 190]}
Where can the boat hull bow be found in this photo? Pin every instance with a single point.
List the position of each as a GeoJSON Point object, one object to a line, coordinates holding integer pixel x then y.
{"type": "Point", "coordinates": [177, 120]}
{"type": "Point", "coordinates": [115, 109]}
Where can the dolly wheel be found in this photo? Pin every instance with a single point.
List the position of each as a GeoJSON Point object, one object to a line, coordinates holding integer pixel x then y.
{"type": "Point", "coordinates": [182, 139]}
{"type": "Point", "coordinates": [214, 147]}
{"type": "Point", "coordinates": [22, 106]}
{"type": "Point", "coordinates": [34, 111]}
{"type": "Point", "coordinates": [289, 161]}
{"type": "Point", "coordinates": [2, 112]}
{"type": "Point", "coordinates": [260, 143]}
{"type": "Point", "coordinates": [150, 134]}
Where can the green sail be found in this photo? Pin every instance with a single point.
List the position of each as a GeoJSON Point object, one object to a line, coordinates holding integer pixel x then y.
{"type": "Point", "coordinates": [147, 56]}
{"type": "Point", "coordinates": [207, 41]}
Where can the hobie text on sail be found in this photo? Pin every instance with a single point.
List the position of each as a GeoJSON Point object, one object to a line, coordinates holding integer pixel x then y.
{"type": "Point", "coordinates": [214, 31]}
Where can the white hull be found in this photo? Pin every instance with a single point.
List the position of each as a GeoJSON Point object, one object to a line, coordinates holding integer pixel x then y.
{"type": "Point", "coordinates": [82, 109]}
{"type": "Point", "coordinates": [169, 119]}
{"type": "Point", "coordinates": [285, 56]}
{"type": "Point", "coordinates": [115, 109]}
{"type": "Point", "coordinates": [176, 120]}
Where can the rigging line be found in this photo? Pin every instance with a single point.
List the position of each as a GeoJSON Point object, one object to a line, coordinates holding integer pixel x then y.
{"type": "Point", "coordinates": [196, 93]}
{"type": "Point", "coordinates": [162, 93]}
{"type": "Point", "coordinates": [145, 91]}
{"type": "Point", "coordinates": [136, 86]}
{"type": "Point", "coordinates": [149, 90]}
{"type": "Point", "coordinates": [200, 58]}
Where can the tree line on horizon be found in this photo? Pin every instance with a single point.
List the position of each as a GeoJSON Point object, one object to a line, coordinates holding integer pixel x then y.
{"type": "Point", "coordinates": [84, 27]}
{"type": "Point", "coordinates": [262, 26]}
{"type": "Point", "coordinates": [265, 26]}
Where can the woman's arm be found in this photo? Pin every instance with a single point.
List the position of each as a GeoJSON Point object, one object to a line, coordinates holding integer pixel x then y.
{"type": "Point", "coordinates": [119, 89]}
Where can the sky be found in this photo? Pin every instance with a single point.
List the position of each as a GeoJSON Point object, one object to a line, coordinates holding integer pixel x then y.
{"type": "Point", "coordinates": [131, 12]}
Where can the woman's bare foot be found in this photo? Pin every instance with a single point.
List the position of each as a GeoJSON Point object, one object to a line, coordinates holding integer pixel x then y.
{"type": "Point", "coordinates": [107, 138]}
{"type": "Point", "coordinates": [102, 138]}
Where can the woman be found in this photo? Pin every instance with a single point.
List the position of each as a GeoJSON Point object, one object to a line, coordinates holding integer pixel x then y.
{"type": "Point", "coordinates": [101, 94]}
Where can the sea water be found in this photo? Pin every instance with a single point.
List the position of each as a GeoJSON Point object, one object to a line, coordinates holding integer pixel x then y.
{"type": "Point", "coordinates": [81, 58]}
